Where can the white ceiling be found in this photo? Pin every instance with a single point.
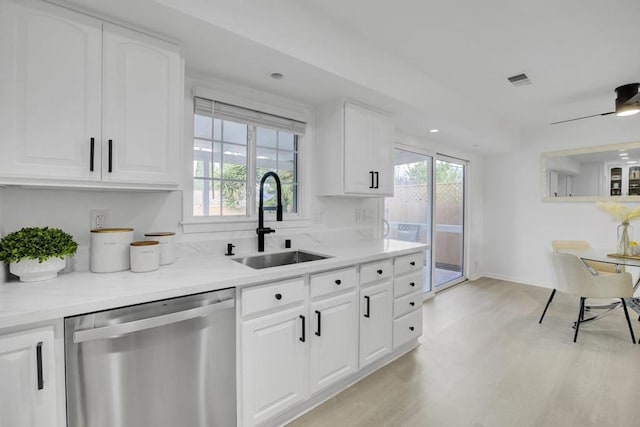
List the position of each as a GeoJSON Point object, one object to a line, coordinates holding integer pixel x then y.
{"type": "Point", "coordinates": [430, 63]}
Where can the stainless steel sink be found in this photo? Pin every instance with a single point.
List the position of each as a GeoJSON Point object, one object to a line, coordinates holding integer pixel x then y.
{"type": "Point", "coordinates": [279, 259]}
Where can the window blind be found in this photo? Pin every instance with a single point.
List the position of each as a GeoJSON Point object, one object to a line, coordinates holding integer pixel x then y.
{"type": "Point", "coordinates": [207, 107]}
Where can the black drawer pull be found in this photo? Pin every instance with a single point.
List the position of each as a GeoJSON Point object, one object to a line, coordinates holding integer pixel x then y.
{"type": "Point", "coordinates": [412, 303]}
{"type": "Point", "coordinates": [412, 263]}
{"type": "Point", "coordinates": [318, 332]}
{"type": "Point", "coordinates": [368, 299]}
{"type": "Point", "coordinates": [338, 282]}
{"type": "Point", "coordinates": [380, 271]}
{"type": "Point", "coordinates": [411, 328]}
{"type": "Point", "coordinates": [110, 155]}
{"type": "Point", "coordinates": [278, 297]}
{"type": "Point", "coordinates": [39, 365]}
{"type": "Point", "coordinates": [93, 149]}
{"type": "Point", "coordinates": [412, 284]}
{"type": "Point", "coordinates": [372, 181]}
{"type": "Point", "coordinates": [303, 338]}
{"type": "Point", "coordinates": [377, 179]}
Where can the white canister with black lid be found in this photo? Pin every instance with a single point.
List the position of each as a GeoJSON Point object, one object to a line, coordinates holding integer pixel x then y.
{"type": "Point", "coordinates": [145, 256]}
{"type": "Point", "coordinates": [167, 245]}
{"type": "Point", "coordinates": [109, 251]}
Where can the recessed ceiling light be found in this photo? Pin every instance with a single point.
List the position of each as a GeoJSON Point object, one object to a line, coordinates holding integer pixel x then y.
{"type": "Point", "coordinates": [434, 130]}
{"type": "Point", "coordinates": [623, 154]}
{"type": "Point", "coordinates": [632, 162]}
{"type": "Point", "coordinates": [277, 76]}
{"type": "Point", "coordinates": [624, 158]}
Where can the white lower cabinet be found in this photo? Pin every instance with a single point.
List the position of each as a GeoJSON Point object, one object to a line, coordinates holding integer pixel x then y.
{"type": "Point", "coordinates": [407, 304]}
{"type": "Point", "coordinates": [302, 339]}
{"type": "Point", "coordinates": [274, 354]}
{"type": "Point", "coordinates": [334, 351]}
{"type": "Point", "coordinates": [375, 322]}
{"type": "Point", "coordinates": [28, 379]}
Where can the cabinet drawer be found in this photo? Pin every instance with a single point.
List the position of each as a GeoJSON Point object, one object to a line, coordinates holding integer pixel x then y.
{"type": "Point", "coordinates": [376, 271]}
{"type": "Point", "coordinates": [407, 284]}
{"type": "Point", "coordinates": [408, 263]}
{"type": "Point", "coordinates": [407, 303]}
{"type": "Point", "coordinates": [273, 295]}
{"type": "Point", "coordinates": [332, 281]}
{"type": "Point", "coordinates": [407, 328]}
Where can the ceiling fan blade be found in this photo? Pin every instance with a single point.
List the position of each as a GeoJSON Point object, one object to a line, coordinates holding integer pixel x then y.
{"type": "Point", "coordinates": [585, 117]}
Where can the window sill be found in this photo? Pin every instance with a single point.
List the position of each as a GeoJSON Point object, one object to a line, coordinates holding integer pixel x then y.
{"type": "Point", "coordinates": [206, 225]}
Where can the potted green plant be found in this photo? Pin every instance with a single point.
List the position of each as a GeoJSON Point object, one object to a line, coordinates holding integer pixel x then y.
{"type": "Point", "coordinates": [35, 253]}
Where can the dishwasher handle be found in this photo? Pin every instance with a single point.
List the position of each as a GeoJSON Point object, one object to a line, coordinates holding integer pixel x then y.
{"type": "Point", "coordinates": [115, 331]}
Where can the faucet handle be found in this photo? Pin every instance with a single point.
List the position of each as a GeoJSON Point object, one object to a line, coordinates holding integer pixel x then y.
{"type": "Point", "coordinates": [230, 247]}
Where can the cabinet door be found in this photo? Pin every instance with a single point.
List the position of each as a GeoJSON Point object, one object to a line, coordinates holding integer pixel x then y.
{"type": "Point", "coordinates": [28, 391]}
{"type": "Point", "coordinates": [274, 364]}
{"type": "Point", "coordinates": [368, 147]}
{"type": "Point", "coordinates": [334, 348]}
{"type": "Point", "coordinates": [142, 80]}
{"type": "Point", "coordinates": [382, 155]}
{"type": "Point", "coordinates": [50, 92]}
{"type": "Point", "coordinates": [375, 322]}
{"type": "Point", "coordinates": [359, 171]}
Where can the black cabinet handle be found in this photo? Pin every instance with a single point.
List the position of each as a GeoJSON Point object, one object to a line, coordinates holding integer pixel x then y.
{"type": "Point", "coordinates": [91, 154]}
{"type": "Point", "coordinates": [411, 328]}
{"type": "Point", "coordinates": [39, 365]}
{"type": "Point", "coordinates": [377, 179]}
{"type": "Point", "coordinates": [278, 296]}
{"type": "Point", "coordinates": [412, 303]}
{"type": "Point", "coordinates": [110, 155]}
{"type": "Point", "coordinates": [303, 338]}
{"type": "Point", "coordinates": [318, 332]}
{"type": "Point", "coordinates": [338, 282]}
{"type": "Point", "coordinates": [380, 271]}
{"type": "Point", "coordinates": [412, 263]}
{"type": "Point", "coordinates": [412, 284]}
{"type": "Point", "coordinates": [372, 183]}
{"type": "Point", "coordinates": [367, 313]}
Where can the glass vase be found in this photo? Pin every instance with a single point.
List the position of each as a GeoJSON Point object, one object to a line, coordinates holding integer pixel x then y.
{"type": "Point", "coordinates": [624, 242]}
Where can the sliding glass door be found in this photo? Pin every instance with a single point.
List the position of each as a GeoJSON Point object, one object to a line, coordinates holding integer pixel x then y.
{"type": "Point", "coordinates": [408, 212]}
{"type": "Point", "coordinates": [449, 231]}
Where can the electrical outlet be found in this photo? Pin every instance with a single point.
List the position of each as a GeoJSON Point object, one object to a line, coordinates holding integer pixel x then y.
{"type": "Point", "coordinates": [99, 218]}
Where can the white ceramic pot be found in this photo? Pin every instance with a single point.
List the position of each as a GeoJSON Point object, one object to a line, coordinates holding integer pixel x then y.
{"type": "Point", "coordinates": [145, 256]}
{"type": "Point", "coordinates": [32, 270]}
{"type": "Point", "coordinates": [109, 250]}
{"type": "Point", "coordinates": [167, 245]}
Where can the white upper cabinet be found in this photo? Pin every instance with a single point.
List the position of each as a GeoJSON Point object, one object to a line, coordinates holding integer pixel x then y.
{"type": "Point", "coordinates": [86, 103]}
{"type": "Point", "coordinates": [141, 91]}
{"type": "Point", "coordinates": [50, 91]}
{"type": "Point", "coordinates": [356, 149]}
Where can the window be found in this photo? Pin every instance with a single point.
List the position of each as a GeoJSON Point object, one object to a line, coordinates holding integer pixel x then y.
{"type": "Point", "coordinates": [233, 148]}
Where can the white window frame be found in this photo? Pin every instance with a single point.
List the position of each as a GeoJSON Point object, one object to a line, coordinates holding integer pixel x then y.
{"type": "Point", "coordinates": [284, 108]}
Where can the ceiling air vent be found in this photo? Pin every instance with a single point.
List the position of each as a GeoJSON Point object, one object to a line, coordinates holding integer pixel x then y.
{"type": "Point", "coordinates": [519, 80]}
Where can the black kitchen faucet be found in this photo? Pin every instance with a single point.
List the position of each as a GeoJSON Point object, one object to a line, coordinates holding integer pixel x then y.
{"type": "Point", "coordinates": [262, 230]}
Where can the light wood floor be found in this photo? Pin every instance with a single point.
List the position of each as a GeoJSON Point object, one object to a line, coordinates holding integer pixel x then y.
{"type": "Point", "coordinates": [486, 362]}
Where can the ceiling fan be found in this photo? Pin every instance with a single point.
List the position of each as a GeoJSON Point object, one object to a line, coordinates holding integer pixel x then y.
{"type": "Point", "coordinates": [627, 103]}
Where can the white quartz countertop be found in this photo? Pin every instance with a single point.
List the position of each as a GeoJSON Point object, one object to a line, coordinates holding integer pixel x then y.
{"type": "Point", "coordinates": [76, 293]}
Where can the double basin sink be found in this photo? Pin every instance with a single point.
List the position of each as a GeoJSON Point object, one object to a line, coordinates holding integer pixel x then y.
{"type": "Point", "coordinates": [279, 259]}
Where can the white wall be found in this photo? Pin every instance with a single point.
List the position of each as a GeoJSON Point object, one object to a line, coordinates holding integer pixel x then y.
{"type": "Point", "coordinates": [518, 226]}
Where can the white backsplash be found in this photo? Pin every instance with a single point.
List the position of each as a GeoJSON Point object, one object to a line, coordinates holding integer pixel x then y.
{"type": "Point", "coordinates": [334, 221]}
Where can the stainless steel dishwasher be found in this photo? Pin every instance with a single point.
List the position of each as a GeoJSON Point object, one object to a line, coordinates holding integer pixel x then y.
{"type": "Point", "coordinates": [162, 364]}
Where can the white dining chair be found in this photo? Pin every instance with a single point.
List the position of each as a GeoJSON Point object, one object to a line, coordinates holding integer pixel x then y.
{"type": "Point", "coordinates": [572, 277]}
{"type": "Point", "coordinates": [579, 245]}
